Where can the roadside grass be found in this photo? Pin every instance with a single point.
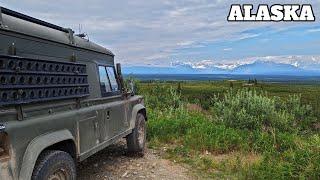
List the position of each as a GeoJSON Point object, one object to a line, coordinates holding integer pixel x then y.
{"type": "Point", "coordinates": [193, 139]}
{"type": "Point", "coordinates": [244, 133]}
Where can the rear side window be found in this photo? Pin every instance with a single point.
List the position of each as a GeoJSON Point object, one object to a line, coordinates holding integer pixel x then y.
{"type": "Point", "coordinates": [108, 82]}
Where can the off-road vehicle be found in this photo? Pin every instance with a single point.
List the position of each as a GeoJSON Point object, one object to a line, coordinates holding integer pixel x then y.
{"type": "Point", "coordinates": [62, 99]}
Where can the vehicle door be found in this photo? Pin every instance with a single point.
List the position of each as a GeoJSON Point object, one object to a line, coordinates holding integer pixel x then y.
{"type": "Point", "coordinates": [112, 117]}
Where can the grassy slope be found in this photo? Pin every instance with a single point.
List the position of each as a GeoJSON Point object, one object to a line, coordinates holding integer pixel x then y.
{"type": "Point", "coordinates": [218, 150]}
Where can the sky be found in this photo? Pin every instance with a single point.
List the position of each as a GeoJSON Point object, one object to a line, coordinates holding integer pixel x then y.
{"type": "Point", "coordinates": [159, 32]}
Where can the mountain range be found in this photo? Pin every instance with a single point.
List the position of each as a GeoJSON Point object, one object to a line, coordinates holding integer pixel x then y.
{"type": "Point", "coordinates": [207, 67]}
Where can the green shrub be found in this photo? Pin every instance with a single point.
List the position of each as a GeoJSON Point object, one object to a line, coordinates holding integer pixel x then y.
{"type": "Point", "coordinates": [303, 114]}
{"type": "Point", "coordinates": [246, 109]}
{"type": "Point", "coordinates": [135, 83]}
{"type": "Point", "coordinates": [162, 97]}
{"type": "Point", "coordinates": [169, 125]}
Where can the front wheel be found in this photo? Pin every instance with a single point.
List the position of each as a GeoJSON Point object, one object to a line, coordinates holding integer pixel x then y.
{"type": "Point", "coordinates": [136, 141]}
{"type": "Point", "coordinates": [54, 165]}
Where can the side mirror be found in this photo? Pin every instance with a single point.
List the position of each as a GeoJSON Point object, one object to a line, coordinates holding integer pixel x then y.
{"type": "Point", "coordinates": [120, 77]}
{"type": "Point", "coordinates": [118, 67]}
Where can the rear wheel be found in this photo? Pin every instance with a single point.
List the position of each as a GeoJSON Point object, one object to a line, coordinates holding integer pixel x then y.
{"type": "Point", "coordinates": [136, 141]}
{"type": "Point", "coordinates": [54, 165]}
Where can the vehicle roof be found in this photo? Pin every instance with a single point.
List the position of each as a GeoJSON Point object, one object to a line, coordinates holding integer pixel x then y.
{"type": "Point", "coordinates": [20, 23]}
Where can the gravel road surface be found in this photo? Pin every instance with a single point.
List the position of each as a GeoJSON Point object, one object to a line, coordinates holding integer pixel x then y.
{"type": "Point", "coordinates": [115, 163]}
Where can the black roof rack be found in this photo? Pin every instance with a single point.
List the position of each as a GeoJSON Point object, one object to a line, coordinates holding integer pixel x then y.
{"type": "Point", "coordinates": [31, 19]}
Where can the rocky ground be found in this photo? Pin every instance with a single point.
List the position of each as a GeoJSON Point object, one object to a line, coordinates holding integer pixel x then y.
{"type": "Point", "coordinates": [114, 163]}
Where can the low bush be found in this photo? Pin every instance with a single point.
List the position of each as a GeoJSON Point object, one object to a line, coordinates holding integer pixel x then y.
{"type": "Point", "coordinates": [246, 109]}
{"type": "Point", "coordinates": [163, 97]}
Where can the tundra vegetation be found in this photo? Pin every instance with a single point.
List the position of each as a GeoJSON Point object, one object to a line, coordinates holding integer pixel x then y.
{"type": "Point", "coordinates": [234, 129]}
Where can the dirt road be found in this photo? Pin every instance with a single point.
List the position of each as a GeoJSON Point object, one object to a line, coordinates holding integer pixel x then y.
{"type": "Point", "coordinates": [114, 163]}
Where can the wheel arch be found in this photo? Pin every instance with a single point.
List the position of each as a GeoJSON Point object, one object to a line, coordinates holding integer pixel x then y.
{"type": "Point", "coordinates": [143, 112]}
{"type": "Point", "coordinates": [67, 146]}
{"type": "Point", "coordinates": [138, 108]}
{"type": "Point", "coordinates": [38, 145]}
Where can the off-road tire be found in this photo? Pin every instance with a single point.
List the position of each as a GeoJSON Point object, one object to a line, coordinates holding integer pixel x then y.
{"type": "Point", "coordinates": [52, 164]}
{"type": "Point", "coordinates": [136, 141]}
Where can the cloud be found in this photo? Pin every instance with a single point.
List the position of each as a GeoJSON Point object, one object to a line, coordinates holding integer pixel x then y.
{"type": "Point", "coordinates": [247, 36]}
{"type": "Point", "coordinates": [185, 43]}
{"type": "Point", "coordinates": [149, 32]}
{"type": "Point", "coordinates": [227, 49]}
{"type": "Point", "coordinates": [313, 30]}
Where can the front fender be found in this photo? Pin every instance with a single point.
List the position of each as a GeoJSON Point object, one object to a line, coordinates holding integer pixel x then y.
{"type": "Point", "coordinates": [135, 110]}
{"type": "Point", "coordinates": [36, 146]}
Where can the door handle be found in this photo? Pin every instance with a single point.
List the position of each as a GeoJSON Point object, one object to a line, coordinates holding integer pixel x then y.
{"type": "Point", "coordinates": [108, 114]}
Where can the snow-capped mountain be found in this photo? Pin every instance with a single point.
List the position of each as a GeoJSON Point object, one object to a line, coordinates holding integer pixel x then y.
{"type": "Point", "coordinates": [266, 66]}
{"type": "Point", "coordinates": [313, 64]}
{"type": "Point", "coordinates": [208, 64]}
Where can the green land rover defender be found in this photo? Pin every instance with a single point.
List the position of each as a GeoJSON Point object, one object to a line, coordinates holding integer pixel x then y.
{"type": "Point", "coordinates": [62, 99]}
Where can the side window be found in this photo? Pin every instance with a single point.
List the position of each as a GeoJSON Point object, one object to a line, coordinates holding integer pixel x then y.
{"type": "Point", "coordinates": [108, 81]}
{"type": "Point", "coordinates": [112, 76]}
{"type": "Point", "coordinates": [104, 80]}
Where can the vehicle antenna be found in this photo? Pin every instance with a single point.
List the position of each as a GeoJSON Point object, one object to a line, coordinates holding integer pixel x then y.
{"type": "Point", "coordinates": [80, 34]}
{"type": "Point", "coordinates": [80, 28]}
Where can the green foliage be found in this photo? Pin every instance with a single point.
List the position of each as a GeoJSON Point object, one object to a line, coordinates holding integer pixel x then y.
{"type": "Point", "coordinates": [300, 163]}
{"type": "Point", "coordinates": [303, 114]}
{"type": "Point", "coordinates": [179, 89]}
{"type": "Point", "coordinates": [253, 81]}
{"type": "Point", "coordinates": [162, 97]}
{"type": "Point", "coordinates": [169, 125]}
{"type": "Point", "coordinates": [129, 82]}
{"type": "Point", "coordinates": [277, 129]}
{"type": "Point", "coordinates": [202, 92]}
{"type": "Point", "coordinates": [246, 109]}
{"type": "Point", "coordinates": [195, 132]}
{"type": "Point", "coordinates": [214, 138]}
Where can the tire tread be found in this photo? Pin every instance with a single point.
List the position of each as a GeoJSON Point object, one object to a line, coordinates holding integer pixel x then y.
{"type": "Point", "coordinates": [48, 158]}
{"type": "Point", "coordinates": [132, 139]}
